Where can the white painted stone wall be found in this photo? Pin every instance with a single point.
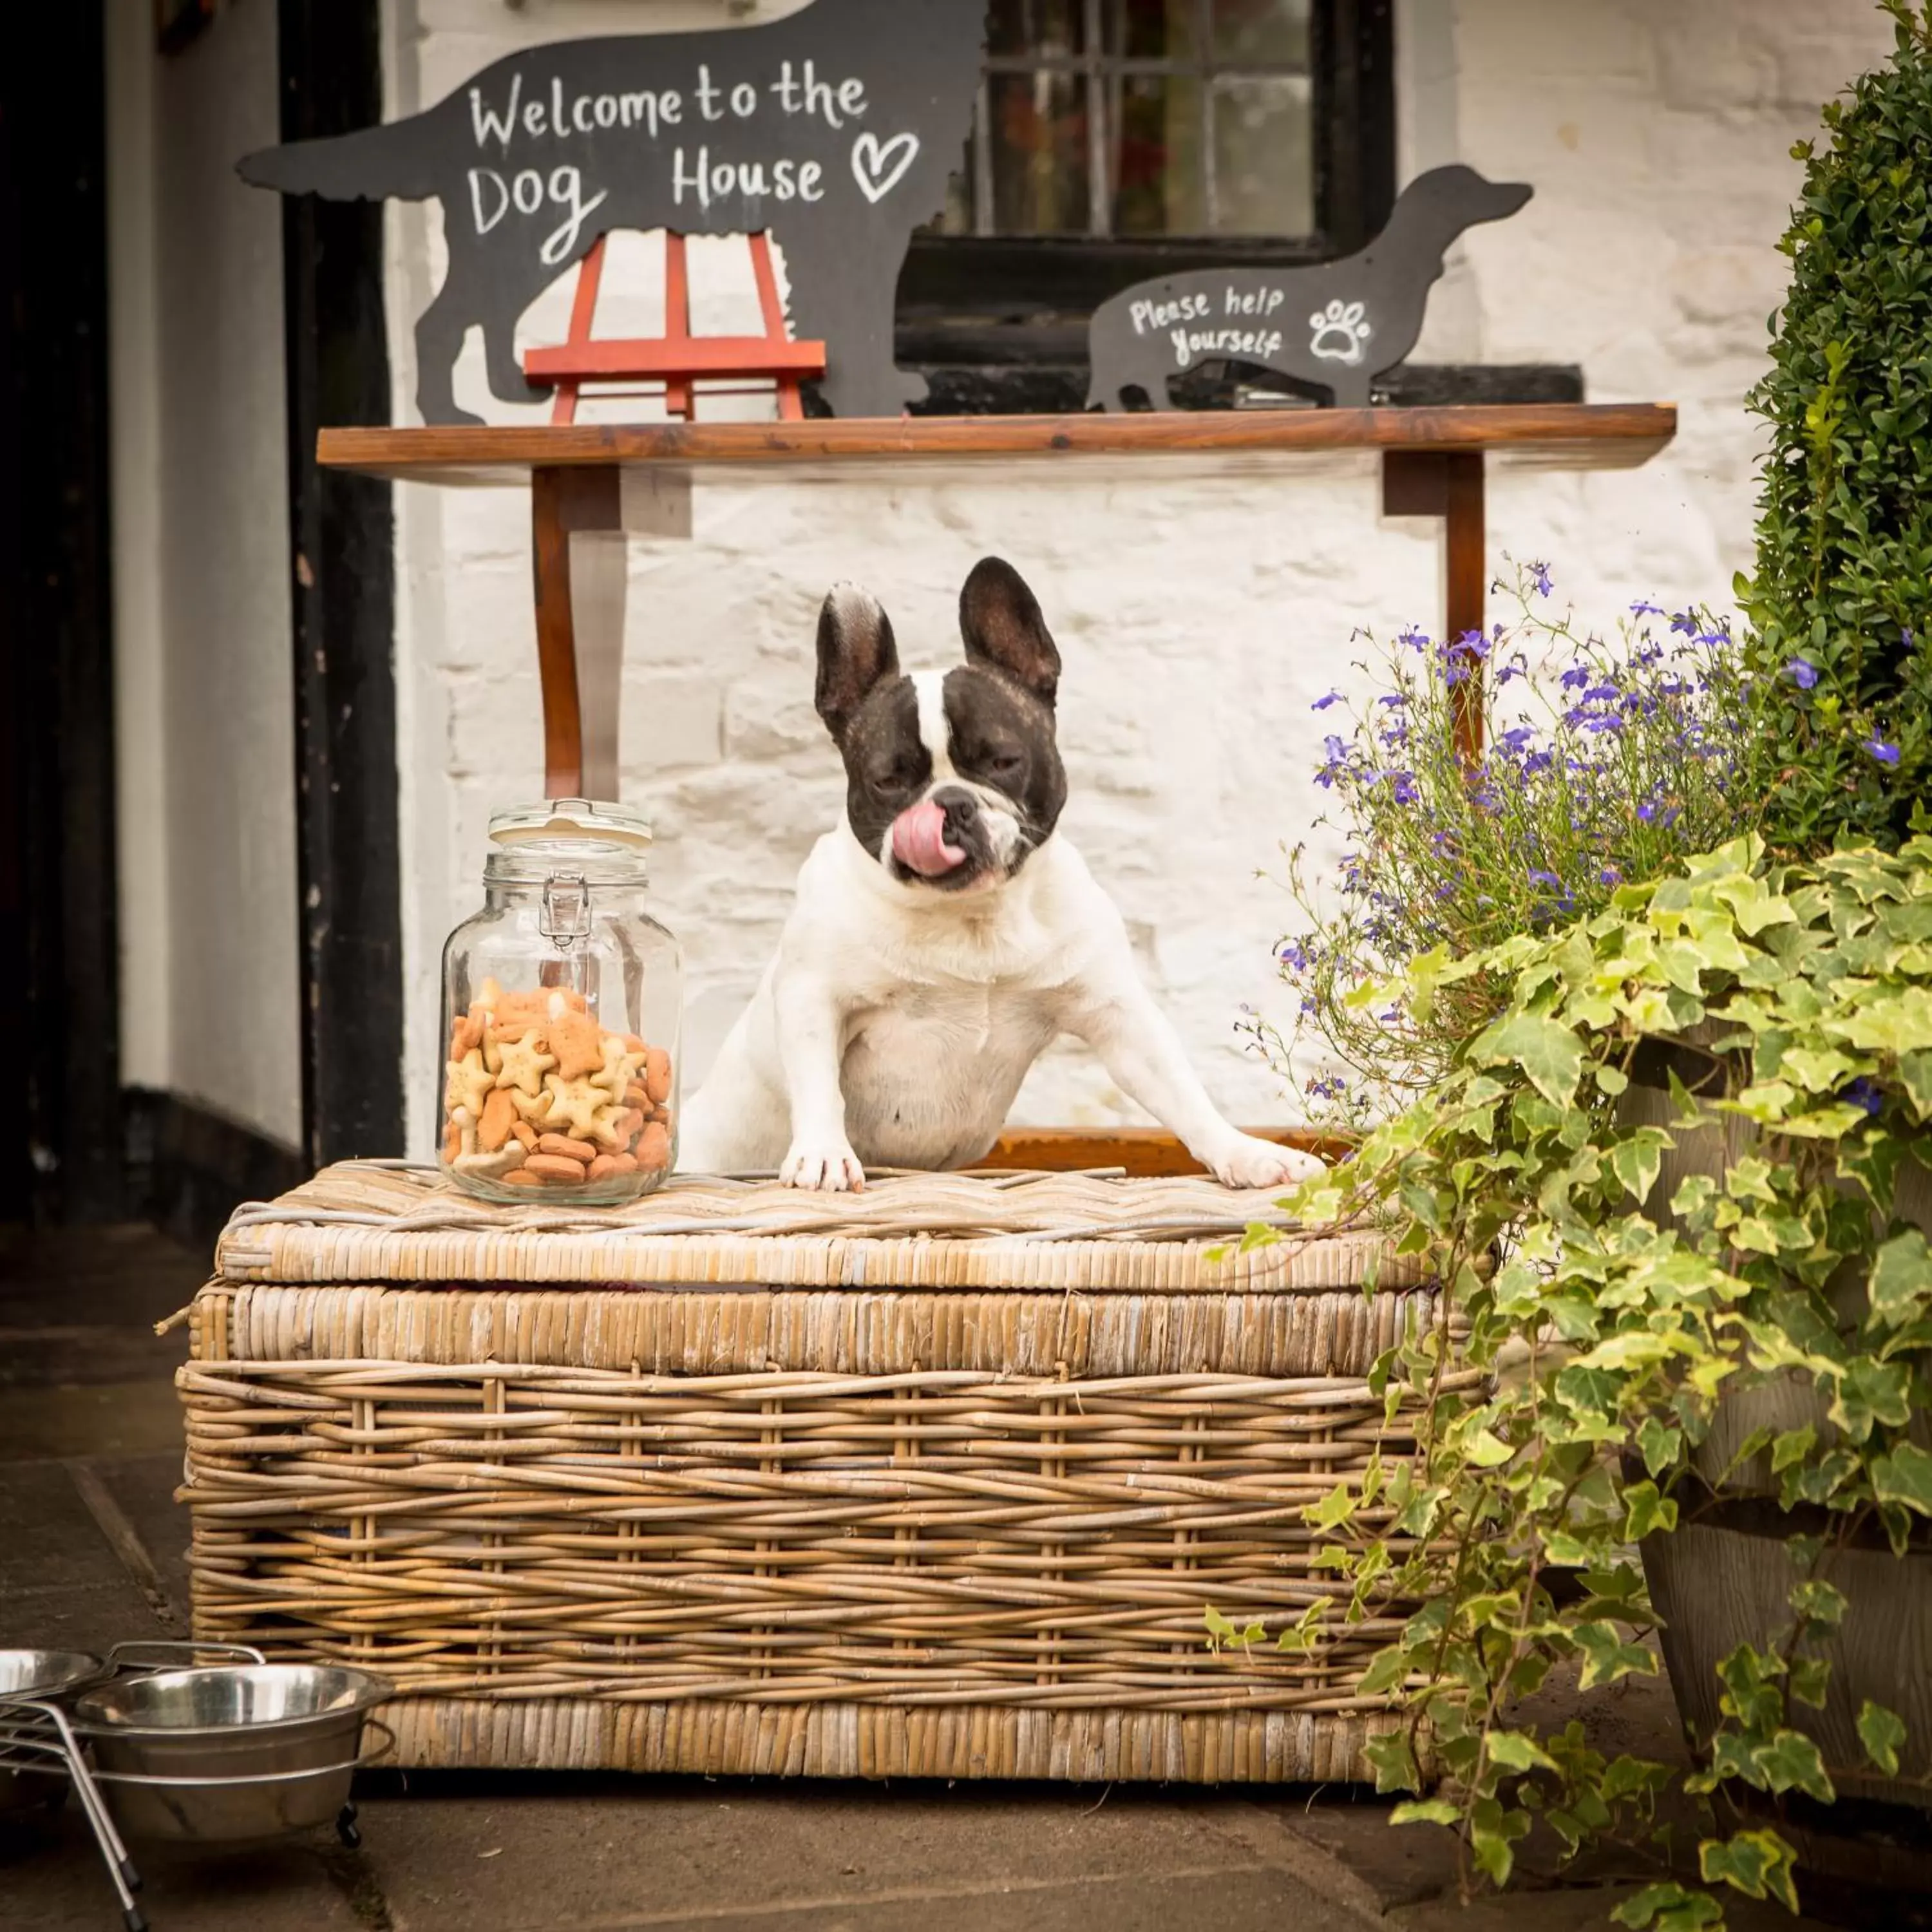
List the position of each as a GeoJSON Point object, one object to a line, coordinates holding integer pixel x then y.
{"type": "Point", "coordinates": [204, 717]}
{"type": "Point", "coordinates": [1198, 615]}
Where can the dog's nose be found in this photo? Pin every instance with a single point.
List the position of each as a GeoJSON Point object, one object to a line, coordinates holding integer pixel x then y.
{"type": "Point", "coordinates": [961, 809]}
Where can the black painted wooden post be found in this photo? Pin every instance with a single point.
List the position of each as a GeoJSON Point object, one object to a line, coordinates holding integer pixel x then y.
{"type": "Point", "coordinates": [342, 555]}
{"type": "Point", "coordinates": [61, 1142]}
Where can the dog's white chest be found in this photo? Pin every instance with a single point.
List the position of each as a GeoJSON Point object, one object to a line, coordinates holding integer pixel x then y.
{"type": "Point", "coordinates": [928, 1078]}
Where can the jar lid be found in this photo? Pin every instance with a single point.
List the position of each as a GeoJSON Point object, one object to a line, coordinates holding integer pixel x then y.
{"type": "Point", "coordinates": [608, 823]}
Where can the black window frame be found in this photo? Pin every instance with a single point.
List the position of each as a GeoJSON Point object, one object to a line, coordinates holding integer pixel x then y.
{"type": "Point", "coordinates": [981, 310]}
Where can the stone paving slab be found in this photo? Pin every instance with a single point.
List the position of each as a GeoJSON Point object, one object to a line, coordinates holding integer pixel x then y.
{"type": "Point", "coordinates": [469, 1855]}
{"type": "Point", "coordinates": [52, 1880]}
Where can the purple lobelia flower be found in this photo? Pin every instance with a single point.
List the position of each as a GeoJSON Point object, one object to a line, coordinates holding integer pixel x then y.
{"type": "Point", "coordinates": [1323, 703]}
{"type": "Point", "coordinates": [1886, 755]}
{"type": "Point", "coordinates": [1539, 575]}
{"type": "Point", "coordinates": [1803, 675]}
{"type": "Point", "coordinates": [1861, 1093]}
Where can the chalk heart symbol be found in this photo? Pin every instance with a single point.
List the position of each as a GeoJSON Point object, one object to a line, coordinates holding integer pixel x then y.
{"type": "Point", "coordinates": [877, 165]}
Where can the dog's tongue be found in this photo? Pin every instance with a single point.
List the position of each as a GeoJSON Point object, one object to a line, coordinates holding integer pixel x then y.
{"type": "Point", "coordinates": [918, 841]}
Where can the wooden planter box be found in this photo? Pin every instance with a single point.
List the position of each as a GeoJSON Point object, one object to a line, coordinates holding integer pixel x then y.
{"type": "Point", "coordinates": [934, 1481]}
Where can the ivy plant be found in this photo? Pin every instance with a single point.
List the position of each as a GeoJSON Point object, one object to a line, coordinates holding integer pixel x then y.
{"type": "Point", "coordinates": [1841, 600]}
{"type": "Point", "coordinates": [1804, 995]}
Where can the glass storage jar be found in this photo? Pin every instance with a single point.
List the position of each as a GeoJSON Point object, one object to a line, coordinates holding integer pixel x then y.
{"type": "Point", "coordinates": [561, 1001]}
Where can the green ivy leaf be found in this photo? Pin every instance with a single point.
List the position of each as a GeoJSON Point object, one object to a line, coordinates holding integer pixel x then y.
{"type": "Point", "coordinates": [1915, 1074]}
{"type": "Point", "coordinates": [1334, 1510]}
{"type": "Point", "coordinates": [1881, 1733]}
{"type": "Point", "coordinates": [1493, 1830]}
{"type": "Point", "coordinates": [1660, 1444]}
{"type": "Point", "coordinates": [1517, 1750]}
{"type": "Point", "coordinates": [1426, 1811]}
{"type": "Point", "coordinates": [1607, 1657]}
{"type": "Point", "coordinates": [1869, 1393]}
{"type": "Point", "coordinates": [1818, 1602]}
{"type": "Point", "coordinates": [1649, 1511]}
{"type": "Point", "coordinates": [1904, 1477]}
{"type": "Point", "coordinates": [1791, 1763]}
{"type": "Point", "coordinates": [1550, 1055]}
{"type": "Point", "coordinates": [1901, 1279]}
{"type": "Point", "coordinates": [1669, 1908]}
{"type": "Point", "coordinates": [1809, 1680]}
{"type": "Point", "coordinates": [1757, 1864]}
{"type": "Point", "coordinates": [1387, 1670]}
{"type": "Point", "coordinates": [1393, 1763]}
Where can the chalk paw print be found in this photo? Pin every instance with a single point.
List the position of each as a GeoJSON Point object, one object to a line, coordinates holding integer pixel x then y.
{"type": "Point", "coordinates": [1341, 332]}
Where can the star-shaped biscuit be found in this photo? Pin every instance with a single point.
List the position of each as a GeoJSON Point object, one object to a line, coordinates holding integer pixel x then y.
{"type": "Point", "coordinates": [612, 1128]}
{"type": "Point", "coordinates": [577, 1103]}
{"type": "Point", "coordinates": [578, 1041]}
{"type": "Point", "coordinates": [524, 1063]}
{"type": "Point", "coordinates": [620, 1067]}
{"type": "Point", "coordinates": [469, 1081]}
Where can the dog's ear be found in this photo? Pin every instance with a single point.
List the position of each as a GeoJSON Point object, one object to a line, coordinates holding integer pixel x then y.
{"type": "Point", "coordinates": [1000, 619]}
{"type": "Point", "coordinates": [856, 652]}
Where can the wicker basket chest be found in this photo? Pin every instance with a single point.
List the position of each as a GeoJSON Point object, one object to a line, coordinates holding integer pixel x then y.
{"type": "Point", "coordinates": [935, 1480]}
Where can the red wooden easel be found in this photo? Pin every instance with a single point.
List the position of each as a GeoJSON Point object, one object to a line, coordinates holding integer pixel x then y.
{"type": "Point", "coordinates": [677, 357]}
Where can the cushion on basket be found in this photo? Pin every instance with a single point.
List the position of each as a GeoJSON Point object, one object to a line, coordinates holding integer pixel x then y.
{"type": "Point", "coordinates": [938, 1479]}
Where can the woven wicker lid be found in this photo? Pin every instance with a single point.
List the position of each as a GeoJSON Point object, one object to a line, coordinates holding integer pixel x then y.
{"type": "Point", "coordinates": [383, 1221]}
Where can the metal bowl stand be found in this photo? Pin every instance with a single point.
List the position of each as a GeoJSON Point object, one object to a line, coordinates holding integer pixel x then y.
{"type": "Point", "coordinates": [36, 1737]}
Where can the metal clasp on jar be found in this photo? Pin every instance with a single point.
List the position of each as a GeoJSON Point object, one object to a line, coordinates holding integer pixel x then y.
{"type": "Point", "coordinates": [564, 914]}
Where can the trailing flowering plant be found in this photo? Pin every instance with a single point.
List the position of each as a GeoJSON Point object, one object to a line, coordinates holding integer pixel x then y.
{"type": "Point", "coordinates": [1599, 763]}
{"type": "Point", "coordinates": [1802, 998]}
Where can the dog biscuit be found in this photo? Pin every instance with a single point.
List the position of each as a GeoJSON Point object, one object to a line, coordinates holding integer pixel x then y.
{"type": "Point", "coordinates": [657, 1075]}
{"type": "Point", "coordinates": [578, 1044]}
{"type": "Point", "coordinates": [554, 1167]}
{"type": "Point", "coordinates": [524, 1063]}
{"type": "Point", "coordinates": [469, 1082]}
{"type": "Point", "coordinates": [539, 1094]}
{"type": "Point", "coordinates": [493, 1124]}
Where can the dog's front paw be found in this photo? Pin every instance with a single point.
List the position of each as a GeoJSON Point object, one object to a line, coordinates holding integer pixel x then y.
{"type": "Point", "coordinates": [827, 1167]}
{"type": "Point", "coordinates": [1246, 1162]}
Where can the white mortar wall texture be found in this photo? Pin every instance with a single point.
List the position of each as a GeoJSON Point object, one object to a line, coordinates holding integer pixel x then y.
{"type": "Point", "coordinates": [1199, 617]}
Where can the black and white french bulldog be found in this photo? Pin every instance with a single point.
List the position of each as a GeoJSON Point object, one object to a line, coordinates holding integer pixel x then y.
{"type": "Point", "coordinates": [943, 935]}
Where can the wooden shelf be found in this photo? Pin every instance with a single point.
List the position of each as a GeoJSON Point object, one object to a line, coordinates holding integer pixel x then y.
{"type": "Point", "coordinates": [1575, 436]}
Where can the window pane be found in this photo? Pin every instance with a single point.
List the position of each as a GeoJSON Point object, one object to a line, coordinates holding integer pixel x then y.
{"type": "Point", "coordinates": [1039, 135]}
{"type": "Point", "coordinates": [1156, 127]}
{"type": "Point", "coordinates": [1265, 31]}
{"type": "Point", "coordinates": [1036, 27]}
{"type": "Point", "coordinates": [1150, 29]}
{"type": "Point", "coordinates": [1262, 153]}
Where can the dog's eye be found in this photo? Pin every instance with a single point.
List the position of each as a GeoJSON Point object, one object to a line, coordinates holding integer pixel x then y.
{"type": "Point", "coordinates": [1005, 764]}
{"type": "Point", "coordinates": [889, 778]}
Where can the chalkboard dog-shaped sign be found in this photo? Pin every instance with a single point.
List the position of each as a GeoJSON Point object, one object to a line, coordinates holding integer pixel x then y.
{"type": "Point", "coordinates": [835, 129]}
{"type": "Point", "coordinates": [1332, 325]}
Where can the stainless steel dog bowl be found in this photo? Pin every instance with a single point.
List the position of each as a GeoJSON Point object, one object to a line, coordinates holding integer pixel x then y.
{"type": "Point", "coordinates": [229, 1754]}
{"type": "Point", "coordinates": [46, 1675]}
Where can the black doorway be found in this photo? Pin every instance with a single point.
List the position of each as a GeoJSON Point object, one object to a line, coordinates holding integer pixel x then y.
{"type": "Point", "coordinates": [61, 1143]}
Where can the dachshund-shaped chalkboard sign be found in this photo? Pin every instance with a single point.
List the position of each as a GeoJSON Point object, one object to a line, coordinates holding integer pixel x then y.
{"type": "Point", "coordinates": [1332, 325]}
{"type": "Point", "coordinates": [835, 129]}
